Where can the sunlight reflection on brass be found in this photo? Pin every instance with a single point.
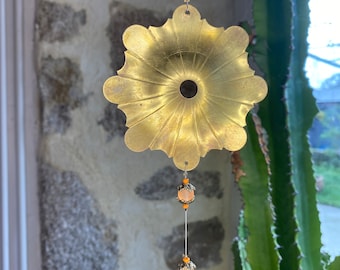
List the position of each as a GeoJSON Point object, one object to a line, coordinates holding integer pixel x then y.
{"type": "Point", "coordinates": [185, 87]}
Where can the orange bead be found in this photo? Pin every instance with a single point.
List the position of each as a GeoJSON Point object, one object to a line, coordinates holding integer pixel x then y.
{"type": "Point", "coordinates": [185, 206]}
{"type": "Point", "coordinates": [186, 195]}
{"type": "Point", "coordinates": [185, 181]}
{"type": "Point", "coordinates": [186, 259]}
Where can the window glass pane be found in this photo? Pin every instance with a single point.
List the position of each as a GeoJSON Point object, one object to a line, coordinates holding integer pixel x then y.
{"type": "Point", "coordinates": [323, 71]}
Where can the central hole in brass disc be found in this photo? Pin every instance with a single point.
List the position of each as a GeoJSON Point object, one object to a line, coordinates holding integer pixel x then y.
{"type": "Point", "coordinates": [188, 89]}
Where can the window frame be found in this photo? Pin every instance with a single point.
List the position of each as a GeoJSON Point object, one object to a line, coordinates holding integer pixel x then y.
{"type": "Point", "coordinates": [19, 133]}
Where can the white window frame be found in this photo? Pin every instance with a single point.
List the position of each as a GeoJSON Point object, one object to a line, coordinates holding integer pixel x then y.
{"type": "Point", "coordinates": [19, 131]}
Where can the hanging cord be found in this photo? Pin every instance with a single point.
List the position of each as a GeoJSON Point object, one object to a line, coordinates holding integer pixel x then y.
{"type": "Point", "coordinates": [185, 174]}
{"type": "Point", "coordinates": [186, 233]}
{"type": "Point", "coordinates": [187, 3]}
{"type": "Point", "coordinates": [186, 195]}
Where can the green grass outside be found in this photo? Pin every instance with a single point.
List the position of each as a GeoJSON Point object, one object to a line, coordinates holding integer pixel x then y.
{"type": "Point", "coordinates": [330, 192]}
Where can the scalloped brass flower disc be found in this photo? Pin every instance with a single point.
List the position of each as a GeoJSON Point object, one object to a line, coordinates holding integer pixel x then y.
{"type": "Point", "coordinates": [185, 88]}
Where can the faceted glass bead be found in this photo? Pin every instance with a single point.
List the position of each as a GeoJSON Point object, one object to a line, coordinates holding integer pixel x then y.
{"type": "Point", "coordinates": [186, 193]}
{"type": "Point", "coordinates": [187, 266]}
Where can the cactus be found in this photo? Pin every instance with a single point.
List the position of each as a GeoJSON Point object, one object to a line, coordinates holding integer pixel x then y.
{"type": "Point", "coordinates": [279, 227]}
{"type": "Point", "coordinates": [335, 265]}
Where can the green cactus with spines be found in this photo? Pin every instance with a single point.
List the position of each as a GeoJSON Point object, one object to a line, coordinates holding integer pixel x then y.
{"type": "Point", "coordinates": [280, 228]}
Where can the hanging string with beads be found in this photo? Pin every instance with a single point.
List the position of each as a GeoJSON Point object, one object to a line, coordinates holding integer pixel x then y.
{"type": "Point", "coordinates": [186, 195]}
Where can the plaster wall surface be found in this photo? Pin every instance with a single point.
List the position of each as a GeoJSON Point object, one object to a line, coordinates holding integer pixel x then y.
{"type": "Point", "coordinates": [80, 149]}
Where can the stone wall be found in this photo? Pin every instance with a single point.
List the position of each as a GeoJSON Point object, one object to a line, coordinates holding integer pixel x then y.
{"type": "Point", "coordinates": [103, 206]}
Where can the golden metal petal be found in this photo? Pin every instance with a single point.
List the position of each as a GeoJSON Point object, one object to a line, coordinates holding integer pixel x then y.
{"type": "Point", "coordinates": [186, 87]}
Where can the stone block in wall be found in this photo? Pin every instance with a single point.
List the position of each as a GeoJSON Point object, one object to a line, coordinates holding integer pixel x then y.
{"type": "Point", "coordinates": [60, 82]}
{"type": "Point", "coordinates": [75, 234]}
{"type": "Point", "coordinates": [113, 121]}
{"type": "Point", "coordinates": [205, 238]}
{"type": "Point", "coordinates": [58, 22]}
{"type": "Point", "coordinates": [163, 184]}
{"type": "Point", "coordinates": [122, 16]}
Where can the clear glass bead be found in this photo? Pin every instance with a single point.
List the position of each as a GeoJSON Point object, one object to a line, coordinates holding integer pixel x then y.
{"type": "Point", "coordinates": [186, 193]}
{"type": "Point", "coordinates": [187, 266]}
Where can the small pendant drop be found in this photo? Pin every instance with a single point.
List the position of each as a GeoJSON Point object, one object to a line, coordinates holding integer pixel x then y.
{"type": "Point", "coordinates": [187, 266]}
